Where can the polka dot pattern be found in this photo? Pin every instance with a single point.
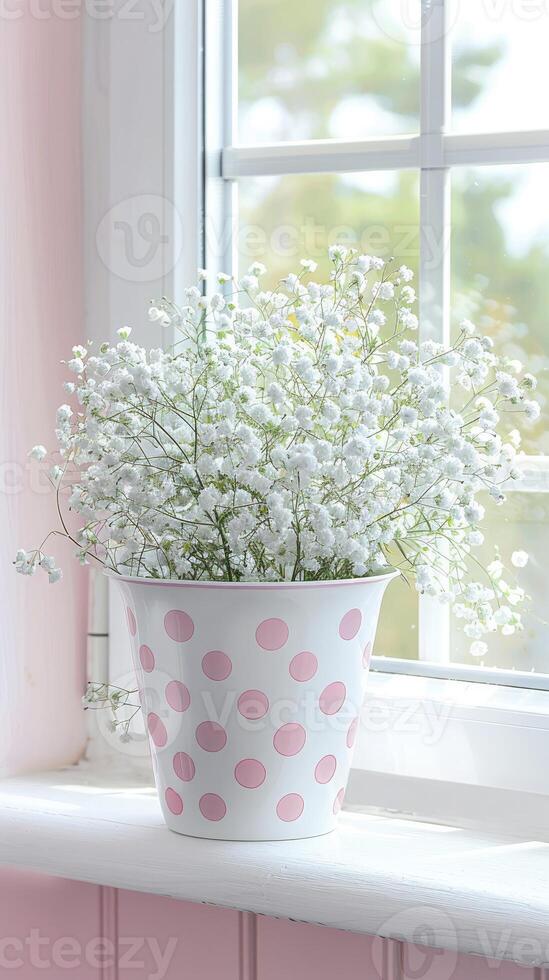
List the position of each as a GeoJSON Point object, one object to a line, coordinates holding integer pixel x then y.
{"type": "Point", "coordinates": [272, 634]}
{"type": "Point", "coordinates": [177, 696]}
{"type": "Point", "coordinates": [264, 758]}
{"type": "Point", "coordinates": [146, 658]}
{"type": "Point", "coordinates": [157, 730]}
{"type": "Point", "coordinates": [332, 698]}
{"type": "Point", "coordinates": [350, 624]}
{"type": "Point", "coordinates": [173, 802]}
{"type": "Point", "coordinates": [211, 737]}
{"type": "Point", "coordinates": [290, 807]}
{"type": "Point", "coordinates": [132, 625]}
{"type": "Point", "coordinates": [325, 769]}
{"type": "Point", "coordinates": [184, 767]}
{"type": "Point", "coordinates": [250, 773]}
{"type": "Point", "coordinates": [290, 739]}
{"type": "Point", "coordinates": [216, 665]}
{"type": "Point", "coordinates": [212, 806]}
{"type": "Point", "coordinates": [304, 666]}
{"type": "Point", "coordinates": [351, 734]}
{"type": "Point", "coordinates": [253, 705]}
{"type": "Point", "coordinates": [178, 625]}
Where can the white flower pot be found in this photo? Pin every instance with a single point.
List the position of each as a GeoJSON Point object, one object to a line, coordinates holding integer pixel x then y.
{"type": "Point", "coordinates": [251, 694]}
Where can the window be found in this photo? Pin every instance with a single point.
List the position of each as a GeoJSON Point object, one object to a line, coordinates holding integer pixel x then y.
{"type": "Point", "coordinates": [387, 125]}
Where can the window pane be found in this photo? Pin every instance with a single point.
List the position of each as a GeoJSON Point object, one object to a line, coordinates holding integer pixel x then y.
{"type": "Point", "coordinates": [500, 68]}
{"type": "Point", "coordinates": [500, 263]}
{"type": "Point", "coordinates": [397, 633]}
{"type": "Point", "coordinates": [318, 69]}
{"type": "Point", "coordinates": [283, 219]}
{"type": "Point", "coordinates": [522, 526]}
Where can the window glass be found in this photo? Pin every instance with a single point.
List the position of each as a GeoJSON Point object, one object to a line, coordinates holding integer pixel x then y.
{"type": "Point", "coordinates": [500, 259]}
{"type": "Point", "coordinates": [522, 527]}
{"type": "Point", "coordinates": [397, 630]}
{"type": "Point", "coordinates": [500, 263]}
{"type": "Point", "coordinates": [500, 68]}
{"type": "Point", "coordinates": [319, 69]}
{"type": "Point", "coordinates": [284, 219]}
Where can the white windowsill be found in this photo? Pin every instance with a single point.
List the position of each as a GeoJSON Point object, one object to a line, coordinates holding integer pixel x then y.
{"type": "Point", "coordinates": [90, 826]}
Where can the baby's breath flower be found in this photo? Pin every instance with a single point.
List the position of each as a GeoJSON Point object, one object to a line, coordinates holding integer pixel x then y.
{"type": "Point", "coordinates": [38, 452]}
{"type": "Point", "coordinates": [301, 433]}
{"type": "Point", "coordinates": [478, 649]}
{"type": "Point", "coordinates": [519, 559]}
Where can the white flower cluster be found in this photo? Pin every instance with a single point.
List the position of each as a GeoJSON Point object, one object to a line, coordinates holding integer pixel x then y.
{"type": "Point", "coordinates": [295, 434]}
{"type": "Point", "coordinates": [27, 563]}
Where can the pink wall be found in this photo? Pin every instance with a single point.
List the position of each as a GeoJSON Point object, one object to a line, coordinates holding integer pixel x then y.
{"type": "Point", "coordinates": [42, 627]}
{"type": "Point", "coordinates": [47, 924]}
{"type": "Point", "coordinates": [79, 926]}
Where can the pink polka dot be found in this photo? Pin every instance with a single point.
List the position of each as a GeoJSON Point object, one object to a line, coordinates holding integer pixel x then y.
{"type": "Point", "coordinates": [272, 634]}
{"type": "Point", "coordinates": [183, 766]}
{"type": "Point", "coordinates": [173, 801]}
{"type": "Point", "coordinates": [303, 666]}
{"type": "Point", "coordinates": [367, 655]}
{"type": "Point", "coordinates": [132, 625]}
{"type": "Point", "coordinates": [216, 665]}
{"type": "Point", "coordinates": [351, 734]}
{"type": "Point", "coordinates": [250, 773]}
{"type": "Point", "coordinates": [211, 737]}
{"type": "Point", "coordinates": [146, 657]}
{"type": "Point", "coordinates": [157, 730]}
{"type": "Point", "coordinates": [350, 624]}
{"type": "Point", "coordinates": [290, 807]}
{"type": "Point", "coordinates": [253, 704]}
{"type": "Point", "coordinates": [212, 806]}
{"type": "Point", "coordinates": [178, 625]}
{"type": "Point", "coordinates": [177, 696]}
{"type": "Point", "coordinates": [325, 769]}
{"type": "Point", "coordinates": [332, 698]}
{"type": "Point", "coordinates": [289, 739]}
{"type": "Point", "coordinates": [338, 802]}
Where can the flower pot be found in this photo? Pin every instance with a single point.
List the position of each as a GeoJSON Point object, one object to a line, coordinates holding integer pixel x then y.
{"type": "Point", "coordinates": [251, 694]}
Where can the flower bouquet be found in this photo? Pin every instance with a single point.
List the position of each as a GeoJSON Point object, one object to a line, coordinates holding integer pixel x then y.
{"type": "Point", "coordinates": [253, 487]}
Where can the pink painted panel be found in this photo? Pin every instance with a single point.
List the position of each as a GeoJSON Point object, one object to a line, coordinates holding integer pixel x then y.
{"type": "Point", "coordinates": [422, 963]}
{"type": "Point", "coordinates": [172, 940]}
{"type": "Point", "coordinates": [51, 928]}
{"type": "Point", "coordinates": [41, 311]}
{"type": "Point", "coordinates": [48, 927]}
{"type": "Point", "coordinates": [297, 951]}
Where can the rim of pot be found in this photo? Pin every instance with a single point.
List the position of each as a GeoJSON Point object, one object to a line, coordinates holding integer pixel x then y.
{"type": "Point", "coordinates": [202, 584]}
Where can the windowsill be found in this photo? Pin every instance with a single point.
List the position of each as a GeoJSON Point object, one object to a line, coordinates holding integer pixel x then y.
{"type": "Point", "coordinates": [92, 826]}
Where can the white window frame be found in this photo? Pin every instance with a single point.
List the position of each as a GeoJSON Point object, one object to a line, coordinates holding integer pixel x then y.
{"type": "Point", "coordinates": [433, 152]}
{"type": "Point", "coordinates": [496, 733]}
